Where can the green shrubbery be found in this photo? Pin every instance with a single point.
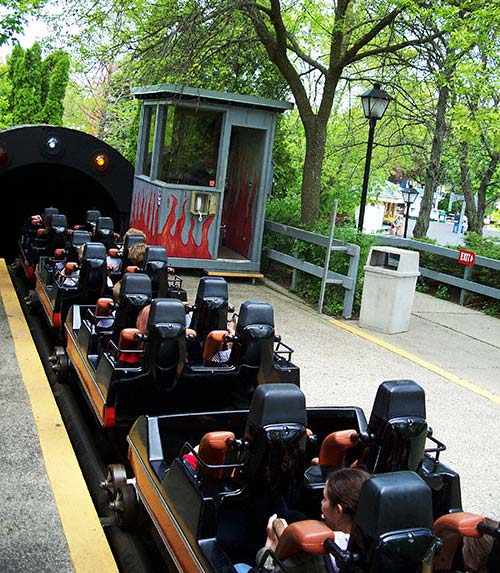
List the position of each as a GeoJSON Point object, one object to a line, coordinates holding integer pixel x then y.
{"type": "Point", "coordinates": [286, 210]}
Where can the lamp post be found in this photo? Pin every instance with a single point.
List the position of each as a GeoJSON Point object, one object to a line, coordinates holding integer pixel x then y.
{"type": "Point", "coordinates": [409, 196]}
{"type": "Point", "coordinates": [375, 102]}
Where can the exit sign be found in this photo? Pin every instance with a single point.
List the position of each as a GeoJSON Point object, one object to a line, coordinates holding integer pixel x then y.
{"type": "Point", "coordinates": [466, 257]}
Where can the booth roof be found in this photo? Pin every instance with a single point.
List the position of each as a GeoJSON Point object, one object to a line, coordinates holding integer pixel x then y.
{"type": "Point", "coordinates": [170, 91]}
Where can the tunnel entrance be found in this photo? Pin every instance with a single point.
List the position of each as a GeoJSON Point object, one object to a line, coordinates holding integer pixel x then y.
{"type": "Point", "coordinates": [45, 166]}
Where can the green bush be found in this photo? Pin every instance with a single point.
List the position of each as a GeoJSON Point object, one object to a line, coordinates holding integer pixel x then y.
{"type": "Point", "coordinates": [287, 211]}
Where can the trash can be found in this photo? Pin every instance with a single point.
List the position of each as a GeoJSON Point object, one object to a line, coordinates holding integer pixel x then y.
{"type": "Point", "coordinates": [389, 289]}
{"type": "Point", "coordinates": [442, 216]}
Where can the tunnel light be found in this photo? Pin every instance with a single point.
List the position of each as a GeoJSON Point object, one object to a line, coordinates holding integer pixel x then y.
{"type": "Point", "coordinates": [101, 162]}
{"type": "Point", "coordinates": [4, 157]}
{"type": "Point", "coordinates": [53, 146]}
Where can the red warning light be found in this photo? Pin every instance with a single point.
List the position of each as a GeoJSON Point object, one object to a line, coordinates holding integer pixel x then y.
{"type": "Point", "coordinates": [4, 157]}
{"type": "Point", "coordinates": [101, 162]}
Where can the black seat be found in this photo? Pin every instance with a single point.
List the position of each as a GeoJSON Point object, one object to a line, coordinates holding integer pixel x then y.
{"type": "Point", "coordinates": [273, 461]}
{"type": "Point", "coordinates": [56, 233]}
{"type": "Point", "coordinates": [393, 526]}
{"type": "Point", "coordinates": [156, 266]}
{"type": "Point", "coordinates": [254, 344]}
{"type": "Point", "coordinates": [91, 218]}
{"type": "Point", "coordinates": [104, 232]}
{"type": "Point", "coordinates": [76, 239]}
{"type": "Point", "coordinates": [210, 307]}
{"type": "Point", "coordinates": [135, 294]}
{"type": "Point", "coordinates": [130, 240]}
{"type": "Point", "coordinates": [92, 280]}
{"type": "Point", "coordinates": [397, 429]}
{"type": "Point", "coordinates": [165, 350]}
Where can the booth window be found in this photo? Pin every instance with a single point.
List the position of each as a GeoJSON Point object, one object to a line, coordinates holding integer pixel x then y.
{"type": "Point", "coordinates": [190, 146]}
{"type": "Point", "coordinates": [149, 132]}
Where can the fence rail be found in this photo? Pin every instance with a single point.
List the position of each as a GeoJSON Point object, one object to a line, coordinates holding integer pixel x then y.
{"type": "Point", "coordinates": [464, 283]}
{"type": "Point", "coordinates": [348, 282]}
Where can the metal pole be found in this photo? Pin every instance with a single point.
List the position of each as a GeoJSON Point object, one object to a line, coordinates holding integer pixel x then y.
{"type": "Point", "coordinates": [407, 216]}
{"type": "Point", "coordinates": [364, 191]}
{"type": "Point", "coordinates": [327, 258]}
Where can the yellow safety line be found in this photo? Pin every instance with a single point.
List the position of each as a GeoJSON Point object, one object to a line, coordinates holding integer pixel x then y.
{"type": "Point", "coordinates": [89, 549]}
{"type": "Point", "coordinates": [417, 360]}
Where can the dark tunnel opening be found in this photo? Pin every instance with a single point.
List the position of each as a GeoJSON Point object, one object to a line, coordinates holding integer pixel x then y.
{"type": "Point", "coordinates": [29, 189]}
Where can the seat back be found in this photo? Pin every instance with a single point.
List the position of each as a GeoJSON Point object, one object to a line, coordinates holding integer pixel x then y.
{"type": "Point", "coordinates": [165, 352]}
{"type": "Point", "coordinates": [156, 266]}
{"type": "Point", "coordinates": [92, 280]}
{"type": "Point", "coordinates": [397, 428]}
{"type": "Point", "coordinates": [277, 438]}
{"type": "Point", "coordinates": [211, 306]}
{"type": "Point", "coordinates": [104, 232]}
{"type": "Point", "coordinates": [306, 536]}
{"type": "Point", "coordinates": [393, 525]}
{"type": "Point", "coordinates": [91, 219]}
{"type": "Point", "coordinates": [255, 335]}
{"type": "Point", "coordinates": [47, 214]}
{"type": "Point", "coordinates": [57, 231]}
{"type": "Point", "coordinates": [135, 294]}
{"type": "Point", "coordinates": [76, 240]}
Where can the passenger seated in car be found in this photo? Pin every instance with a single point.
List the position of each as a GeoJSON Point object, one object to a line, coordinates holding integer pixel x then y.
{"type": "Point", "coordinates": [476, 551]}
{"type": "Point", "coordinates": [339, 505]}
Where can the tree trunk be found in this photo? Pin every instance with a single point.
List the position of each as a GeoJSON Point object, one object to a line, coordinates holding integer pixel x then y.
{"type": "Point", "coordinates": [434, 167]}
{"type": "Point", "coordinates": [473, 223]}
{"type": "Point", "coordinates": [315, 131]}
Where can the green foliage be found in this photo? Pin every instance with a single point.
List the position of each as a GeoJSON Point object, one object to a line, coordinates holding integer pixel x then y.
{"type": "Point", "coordinates": [37, 87]}
{"type": "Point", "coordinates": [285, 210]}
{"type": "Point", "coordinates": [13, 17]}
{"type": "Point", "coordinates": [442, 292]}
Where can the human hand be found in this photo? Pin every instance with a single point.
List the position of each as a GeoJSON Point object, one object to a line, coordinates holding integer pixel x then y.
{"type": "Point", "coordinates": [275, 526]}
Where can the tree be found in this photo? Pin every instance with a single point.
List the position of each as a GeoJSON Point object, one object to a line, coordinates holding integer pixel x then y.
{"type": "Point", "coordinates": [37, 87]}
{"type": "Point", "coordinates": [13, 16]}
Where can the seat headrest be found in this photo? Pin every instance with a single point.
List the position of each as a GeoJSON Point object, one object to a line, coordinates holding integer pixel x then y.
{"type": "Point", "coordinates": [104, 223]}
{"type": "Point", "coordinates": [58, 220]}
{"type": "Point", "coordinates": [93, 250]}
{"type": "Point", "coordinates": [135, 283]}
{"type": "Point", "coordinates": [254, 312]}
{"type": "Point", "coordinates": [50, 211]}
{"type": "Point", "coordinates": [393, 501]}
{"type": "Point", "coordinates": [166, 310]}
{"type": "Point", "coordinates": [79, 238]}
{"type": "Point", "coordinates": [92, 216]}
{"type": "Point", "coordinates": [212, 287]}
{"type": "Point", "coordinates": [398, 398]}
{"type": "Point", "coordinates": [277, 404]}
{"type": "Point", "coordinates": [155, 254]}
{"type": "Point", "coordinates": [132, 239]}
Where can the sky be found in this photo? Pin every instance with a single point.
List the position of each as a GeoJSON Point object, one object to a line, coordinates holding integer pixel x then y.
{"type": "Point", "coordinates": [35, 30]}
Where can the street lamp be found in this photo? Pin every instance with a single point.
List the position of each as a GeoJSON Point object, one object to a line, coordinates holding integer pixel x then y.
{"type": "Point", "coordinates": [375, 102]}
{"type": "Point", "coordinates": [409, 196]}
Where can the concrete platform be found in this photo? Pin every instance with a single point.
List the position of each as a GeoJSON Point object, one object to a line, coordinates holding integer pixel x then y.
{"type": "Point", "coordinates": [48, 522]}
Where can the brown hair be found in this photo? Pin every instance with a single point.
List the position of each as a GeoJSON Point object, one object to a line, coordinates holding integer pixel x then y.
{"type": "Point", "coordinates": [136, 253]}
{"type": "Point", "coordinates": [343, 487]}
{"type": "Point", "coordinates": [134, 231]}
{"type": "Point", "coordinates": [476, 550]}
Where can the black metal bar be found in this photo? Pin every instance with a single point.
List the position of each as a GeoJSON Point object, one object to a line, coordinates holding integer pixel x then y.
{"type": "Point", "coordinates": [366, 177]}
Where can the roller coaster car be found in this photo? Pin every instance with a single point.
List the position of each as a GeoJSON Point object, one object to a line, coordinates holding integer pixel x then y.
{"type": "Point", "coordinates": [59, 285]}
{"type": "Point", "coordinates": [40, 236]}
{"type": "Point", "coordinates": [210, 504]}
{"type": "Point", "coordinates": [394, 440]}
{"type": "Point", "coordinates": [127, 371]}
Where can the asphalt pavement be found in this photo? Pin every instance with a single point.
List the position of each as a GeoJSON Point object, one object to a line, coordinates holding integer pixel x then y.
{"type": "Point", "coordinates": [451, 351]}
{"type": "Point", "coordinates": [444, 235]}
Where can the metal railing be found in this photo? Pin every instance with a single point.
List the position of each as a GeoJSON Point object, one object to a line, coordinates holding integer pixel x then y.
{"type": "Point", "coordinates": [465, 283]}
{"type": "Point", "coordinates": [348, 282]}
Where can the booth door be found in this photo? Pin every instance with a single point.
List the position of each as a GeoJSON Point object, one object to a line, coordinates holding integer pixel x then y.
{"type": "Point", "coordinates": [240, 214]}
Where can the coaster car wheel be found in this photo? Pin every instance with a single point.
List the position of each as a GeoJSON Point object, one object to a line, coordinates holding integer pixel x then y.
{"type": "Point", "coordinates": [60, 364]}
{"type": "Point", "coordinates": [32, 302]}
{"type": "Point", "coordinates": [116, 475]}
{"type": "Point", "coordinates": [125, 505]}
